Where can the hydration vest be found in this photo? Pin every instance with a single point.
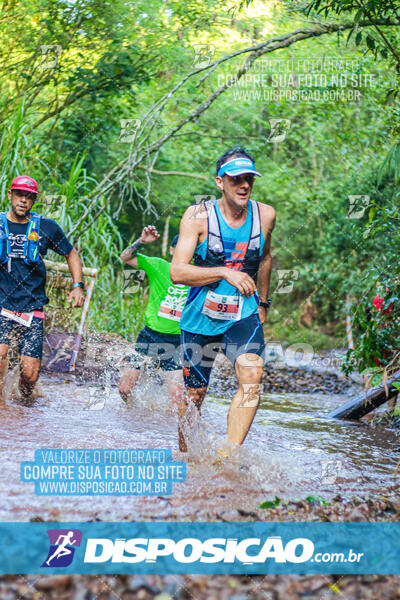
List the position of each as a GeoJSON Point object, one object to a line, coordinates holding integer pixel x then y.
{"type": "Point", "coordinates": [215, 255]}
{"type": "Point", "coordinates": [31, 245]}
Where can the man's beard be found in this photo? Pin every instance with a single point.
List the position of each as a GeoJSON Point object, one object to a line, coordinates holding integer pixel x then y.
{"type": "Point", "coordinates": [20, 216]}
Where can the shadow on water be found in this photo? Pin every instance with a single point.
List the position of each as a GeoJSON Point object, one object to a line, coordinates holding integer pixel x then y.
{"type": "Point", "coordinates": [292, 450]}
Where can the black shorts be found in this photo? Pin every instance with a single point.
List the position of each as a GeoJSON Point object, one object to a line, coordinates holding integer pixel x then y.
{"type": "Point", "coordinates": [199, 351]}
{"type": "Point", "coordinates": [28, 339]}
{"type": "Point", "coordinates": [154, 349]}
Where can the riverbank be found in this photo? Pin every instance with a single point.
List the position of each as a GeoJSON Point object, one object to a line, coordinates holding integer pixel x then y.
{"type": "Point", "coordinates": [107, 353]}
{"type": "Point", "coordinates": [200, 587]}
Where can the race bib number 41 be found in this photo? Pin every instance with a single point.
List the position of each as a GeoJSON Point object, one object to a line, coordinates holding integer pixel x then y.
{"type": "Point", "coordinates": [225, 308]}
{"type": "Point", "coordinates": [167, 311]}
{"type": "Point", "coordinates": [172, 305]}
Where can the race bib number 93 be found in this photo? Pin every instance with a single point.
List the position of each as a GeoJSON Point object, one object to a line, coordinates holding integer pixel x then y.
{"type": "Point", "coordinates": [222, 307]}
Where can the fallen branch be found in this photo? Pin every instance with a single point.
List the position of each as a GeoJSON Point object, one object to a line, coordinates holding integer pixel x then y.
{"type": "Point", "coordinates": [62, 267]}
{"type": "Point", "coordinates": [180, 173]}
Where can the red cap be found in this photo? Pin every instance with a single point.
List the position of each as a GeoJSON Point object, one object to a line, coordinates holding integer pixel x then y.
{"type": "Point", "coordinates": [23, 182]}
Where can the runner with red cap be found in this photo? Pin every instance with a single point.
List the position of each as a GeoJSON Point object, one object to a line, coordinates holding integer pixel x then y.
{"type": "Point", "coordinates": [25, 237]}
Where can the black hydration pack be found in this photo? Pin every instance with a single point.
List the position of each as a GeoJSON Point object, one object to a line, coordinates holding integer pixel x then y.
{"type": "Point", "coordinates": [215, 255]}
{"type": "Point", "coordinates": [31, 254]}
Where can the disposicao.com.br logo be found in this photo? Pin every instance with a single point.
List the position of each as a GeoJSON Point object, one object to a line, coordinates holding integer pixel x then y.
{"type": "Point", "coordinates": [191, 550]}
{"type": "Point", "coordinates": [166, 551]}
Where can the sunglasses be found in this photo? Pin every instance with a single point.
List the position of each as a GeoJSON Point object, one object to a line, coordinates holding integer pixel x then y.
{"type": "Point", "coordinates": [248, 177]}
{"type": "Point", "coordinates": [22, 193]}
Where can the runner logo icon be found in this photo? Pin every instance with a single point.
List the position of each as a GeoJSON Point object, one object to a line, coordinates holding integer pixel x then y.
{"type": "Point", "coordinates": [62, 542]}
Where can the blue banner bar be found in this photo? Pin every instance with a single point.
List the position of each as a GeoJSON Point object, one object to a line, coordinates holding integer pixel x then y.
{"type": "Point", "coordinates": [209, 548]}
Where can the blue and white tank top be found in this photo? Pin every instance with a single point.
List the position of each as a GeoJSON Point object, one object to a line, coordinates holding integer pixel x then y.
{"type": "Point", "coordinates": [235, 243]}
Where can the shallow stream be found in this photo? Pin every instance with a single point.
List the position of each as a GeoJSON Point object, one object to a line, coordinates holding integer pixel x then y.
{"type": "Point", "coordinates": [292, 451]}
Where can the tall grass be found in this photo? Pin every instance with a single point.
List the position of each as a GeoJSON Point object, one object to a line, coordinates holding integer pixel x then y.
{"type": "Point", "coordinates": [13, 149]}
{"type": "Point", "coordinates": [99, 244]}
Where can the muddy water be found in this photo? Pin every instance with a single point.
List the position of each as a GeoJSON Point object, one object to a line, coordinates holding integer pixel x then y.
{"type": "Point", "coordinates": [292, 451]}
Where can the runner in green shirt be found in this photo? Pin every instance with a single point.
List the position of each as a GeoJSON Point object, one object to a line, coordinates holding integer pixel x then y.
{"type": "Point", "coordinates": [158, 344]}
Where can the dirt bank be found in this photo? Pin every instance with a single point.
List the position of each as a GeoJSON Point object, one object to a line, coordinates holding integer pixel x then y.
{"type": "Point", "coordinates": [200, 587]}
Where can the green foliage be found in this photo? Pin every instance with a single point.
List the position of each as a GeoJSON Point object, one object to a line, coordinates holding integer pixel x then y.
{"type": "Point", "coordinates": [271, 503]}
{"type": "Point", "coordinates": [14, 148]}
{"type": "Point", "coordinates": [377, 40]}
{"type": "Point", "coordinates": [391, 165]}
{"type": "Point", "coordinates": [316, 499]}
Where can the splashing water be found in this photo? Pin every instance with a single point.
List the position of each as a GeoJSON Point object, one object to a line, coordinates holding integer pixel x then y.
{"type": "Point", "coordinates": [291, 450]}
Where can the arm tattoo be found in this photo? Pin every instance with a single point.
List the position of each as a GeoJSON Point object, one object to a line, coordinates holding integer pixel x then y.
{"type": "Point", "coordinates": [131, 250]}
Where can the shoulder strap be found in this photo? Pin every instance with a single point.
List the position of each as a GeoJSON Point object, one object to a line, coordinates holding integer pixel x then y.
{"type": "Point", "coordinates": [35, 218]}
{"type": "Point", "coordinates": [5, 247]}
{"type": "Point", "coordinates": [255, 235]}
{"type": "Point", "coordinates": [3, 220]}
{"type": "Point", "coordinates": [215, 241]}
{"type": "Point", "coordinates": [4, 224]}
{"type": "Point", "coordinates": [33, 225]}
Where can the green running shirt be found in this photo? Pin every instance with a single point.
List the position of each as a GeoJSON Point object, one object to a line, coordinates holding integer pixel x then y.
{"type": "Point", "coordinates": [166, 300]}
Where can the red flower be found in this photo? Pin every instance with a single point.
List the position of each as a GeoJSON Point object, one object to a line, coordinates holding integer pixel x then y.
{"type": "Point", "coordinates": [378, 303]}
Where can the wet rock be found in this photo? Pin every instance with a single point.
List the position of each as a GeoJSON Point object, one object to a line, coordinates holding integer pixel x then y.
{"type": "Point", "coordinates": [245, 513]}
{"type": "Point", "coordinates": [55, 514]}
{"type": "Point", "coordinates": [174, 590]}
{"type": "Point", "coordinates": [80, 592]}
{"type": "Point", "coordinates": [23, 591]}
{"type": "Point", "coordinates": [284, 379]}
{"type": "Point", "coordinates": [357, 515]}
{"type": "Point", "coordinates": [394, 504]}
{"type": "Point", "coordinates": [228, 516]}
{"type": "Point", "coordinates": [140, 583]}
{"type": "Point", "coordinates": [53, 582]}
{"type": "Point", "coordinates": [174, 585]}
{"type": "Point", "coordinates": [127, 595]}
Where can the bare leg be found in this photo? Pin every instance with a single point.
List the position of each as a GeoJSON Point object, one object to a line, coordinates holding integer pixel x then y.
{"type": "Point", "coordinates": [195, 395]}
{"type": "Point", "coordinates": [128, 382]}
{"type": "Point", "coordinates": [249, 370]}
{"type": "Point", "coordinates": [175, 387]}
{"type": "Point", "coordinates": [30, 369]}
{"type": "Point", "coordinates": [3, 369]}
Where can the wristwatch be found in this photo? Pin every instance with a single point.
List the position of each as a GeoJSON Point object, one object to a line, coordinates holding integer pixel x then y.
{"type": "Point", "coordinates": [266, 304]}
{"type": "Point", "coordinates": [79, 284]}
